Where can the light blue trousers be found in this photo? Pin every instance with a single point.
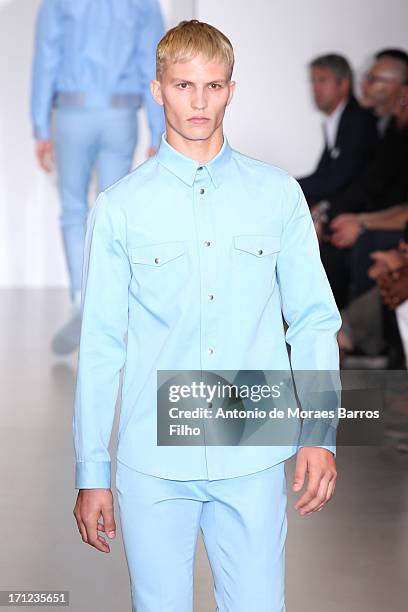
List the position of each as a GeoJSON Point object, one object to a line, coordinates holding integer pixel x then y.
{"type": "Point", "coordinates": [84, 139]}
{"type": "Point", "coordinates": [243, 523]}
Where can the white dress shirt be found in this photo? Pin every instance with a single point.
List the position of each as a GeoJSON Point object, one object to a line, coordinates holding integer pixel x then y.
{"type": "Point", "coordinates": [331, 125]}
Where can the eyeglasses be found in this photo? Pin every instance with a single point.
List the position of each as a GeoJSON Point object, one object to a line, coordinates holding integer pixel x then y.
{"type": "Point", "coordinates": [373, 78]}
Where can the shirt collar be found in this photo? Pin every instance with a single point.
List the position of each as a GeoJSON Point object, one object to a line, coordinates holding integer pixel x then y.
{"type": "Point", "coordinates": [185, 168]}
{"type": "Point", "coordinates": [336, 114]}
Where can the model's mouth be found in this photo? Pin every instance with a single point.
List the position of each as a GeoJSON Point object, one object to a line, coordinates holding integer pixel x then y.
{"type": "Point", "coordinates": [198, 119]}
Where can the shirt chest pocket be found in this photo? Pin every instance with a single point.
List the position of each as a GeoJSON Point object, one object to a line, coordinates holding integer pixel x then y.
{"type": "Point", "coordinates": [160, 271]}
{"type": "Point", "coordinates": [157, 255]}
{"type": "Point", "coordinates": [254, 261]}
{"type": "Point", "coordinates": [251, 247]}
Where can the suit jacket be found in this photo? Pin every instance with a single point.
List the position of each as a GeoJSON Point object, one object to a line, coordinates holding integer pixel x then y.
{"type": "Point", "coordinates": [354, 146]}
{"type": "Point", "coordinates": [384, 183]}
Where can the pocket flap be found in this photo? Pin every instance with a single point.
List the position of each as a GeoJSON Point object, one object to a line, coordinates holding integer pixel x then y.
{"type": "Point", "coordinates": [157, 254]}
{"type": "Point", "coordinates": [258, 245]}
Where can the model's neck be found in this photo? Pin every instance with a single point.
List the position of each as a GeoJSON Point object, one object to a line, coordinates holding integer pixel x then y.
{"type": "Point", "coordinates": [200, 150]}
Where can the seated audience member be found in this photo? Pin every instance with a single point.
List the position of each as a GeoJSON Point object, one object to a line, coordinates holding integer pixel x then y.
{"type": "Point", "coordinates": [380, 86]}
{"type": "Point", "coordinates": [371, 231]}
{"type": "Point", "coordinates": [393, 279]}
{"type": "Point", "coordinates": [390, 270]}
{"type": "Point", "coordinates": [346, 228]}
{"type": "Point", "coordinates": [384, 184]}
{"type": "Point", "coordinates": [366, 325]}
{"type": "Point", "coordinates": [376, 236]}
{"type": "Point", "coordinates": [394, 293]}
{"type": "Point", "coordinates": [350, 132]}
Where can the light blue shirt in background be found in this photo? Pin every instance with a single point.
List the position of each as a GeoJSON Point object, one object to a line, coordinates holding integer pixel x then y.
{"type": "Point", "coordinates": [196, 263]}
{"type": "Point", "coordinates": [96, 53]}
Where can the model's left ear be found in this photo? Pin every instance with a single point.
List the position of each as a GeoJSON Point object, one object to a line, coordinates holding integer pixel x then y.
{"type": "Point", "coordinates": [155, 90]}
{"type": "Point", "coordinates": [231, 86]}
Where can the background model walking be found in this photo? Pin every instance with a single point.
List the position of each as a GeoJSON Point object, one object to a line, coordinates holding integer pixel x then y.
{"type": "Point", "coordinates": [93, 62]}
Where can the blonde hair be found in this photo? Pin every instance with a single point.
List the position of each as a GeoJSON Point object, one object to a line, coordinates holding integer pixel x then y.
{"type": "Point", "coordinates": [189, 39]}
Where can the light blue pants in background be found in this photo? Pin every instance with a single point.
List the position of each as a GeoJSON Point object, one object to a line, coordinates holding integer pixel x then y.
{"type": "Point", "coordinates": [84, 139]}
{"type": "Point", "coordinates": [243, 522]}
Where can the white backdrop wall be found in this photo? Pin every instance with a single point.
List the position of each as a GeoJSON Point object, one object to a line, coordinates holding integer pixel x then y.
{"type": "Point", "coordinates": [271, 117]}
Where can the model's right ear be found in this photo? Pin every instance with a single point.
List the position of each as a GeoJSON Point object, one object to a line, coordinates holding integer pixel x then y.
{"type": "Point", "coordinates": [155, 89]}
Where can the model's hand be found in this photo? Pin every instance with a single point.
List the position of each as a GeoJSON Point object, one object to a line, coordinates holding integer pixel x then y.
{"type": "Point", "coordinates": [44, 150]}
{"type": "Point", "coordinates": [90, 505]}
{"type": "Point", "coordinates": [320, 466]}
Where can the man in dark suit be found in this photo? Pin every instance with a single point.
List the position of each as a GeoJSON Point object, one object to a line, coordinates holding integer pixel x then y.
{"type": "Point", "coordinates": [349, 130]}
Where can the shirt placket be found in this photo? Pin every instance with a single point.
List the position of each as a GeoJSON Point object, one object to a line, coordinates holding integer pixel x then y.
{"type": "Point", "coordinates": [209, 342]}
{"type": "Point", "coordinates": [203, 194]}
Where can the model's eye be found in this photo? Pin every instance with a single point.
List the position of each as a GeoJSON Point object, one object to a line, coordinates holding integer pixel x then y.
{"type": "Point", "coordinates": [182, 85]}
{"type": "Point", "coordinates": [215, 86]}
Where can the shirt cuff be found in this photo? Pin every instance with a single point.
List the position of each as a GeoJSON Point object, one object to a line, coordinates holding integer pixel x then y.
{"type": "Point", "coordinates": [41, 132]}
{"type": "Point", "coordinates": [332, 449]}
{"type": "Point", "coordinates": [93, 475]}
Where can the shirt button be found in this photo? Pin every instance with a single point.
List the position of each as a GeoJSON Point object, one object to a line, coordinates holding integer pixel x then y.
{"type": "Point", "coordinates": [200, 168]}
{"type": "Point", "coordinates": [207, 243]}
{"type": "Point", "coordinates": [260, 251]}
{"type": "Point", "coordinates": [210, 350]}
{"type": "Point", "coordinates": [202, 191]}
{"type": "Point", "coordinates": [210, 296]}
{"type": "Point", "coordinates": [157, 260]}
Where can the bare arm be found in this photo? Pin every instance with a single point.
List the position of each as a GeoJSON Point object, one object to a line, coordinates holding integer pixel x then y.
{"type": "Point", "coordinates": [393, 218]}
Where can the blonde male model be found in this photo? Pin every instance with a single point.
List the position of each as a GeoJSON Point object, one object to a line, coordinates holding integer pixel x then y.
{"type": "Point", "coordinates": [195, 255]}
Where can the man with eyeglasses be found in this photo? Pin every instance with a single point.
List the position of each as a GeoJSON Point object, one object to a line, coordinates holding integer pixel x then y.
{"type": "Point", "coordinates": [381, 85]}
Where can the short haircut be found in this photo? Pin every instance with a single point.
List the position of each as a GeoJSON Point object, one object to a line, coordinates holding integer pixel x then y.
{"type": "Point", "coordinates": [189, 39]}
{"type": "Point", "coordinates": [397, 54]}
{"type": "Point", "coordinates": [337, 64]}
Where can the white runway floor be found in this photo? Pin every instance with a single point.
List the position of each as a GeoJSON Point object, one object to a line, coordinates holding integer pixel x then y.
{"type": "Point", "coordinates": [351, 557]}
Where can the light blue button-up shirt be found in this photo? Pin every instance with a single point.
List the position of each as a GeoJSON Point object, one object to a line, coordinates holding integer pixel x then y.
{"type": "Point", "coordinates": [93, 52]}
{"type": "Point", "coordinates": [159, 242]}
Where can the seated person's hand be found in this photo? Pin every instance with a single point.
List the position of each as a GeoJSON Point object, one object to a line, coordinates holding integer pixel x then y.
{"type": "Point", "coordinates": [346, 229]}
{"type": "Point", "coordinates": [388, 260]}
{"type": "Point", "coordinates": [394, 287]}
{"type": "Point", "coordinates": [341, 220]}
{"type": "Point", "coordinates": [403, 249]}
{"type": "Point", "coordinates": [377, 270]}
